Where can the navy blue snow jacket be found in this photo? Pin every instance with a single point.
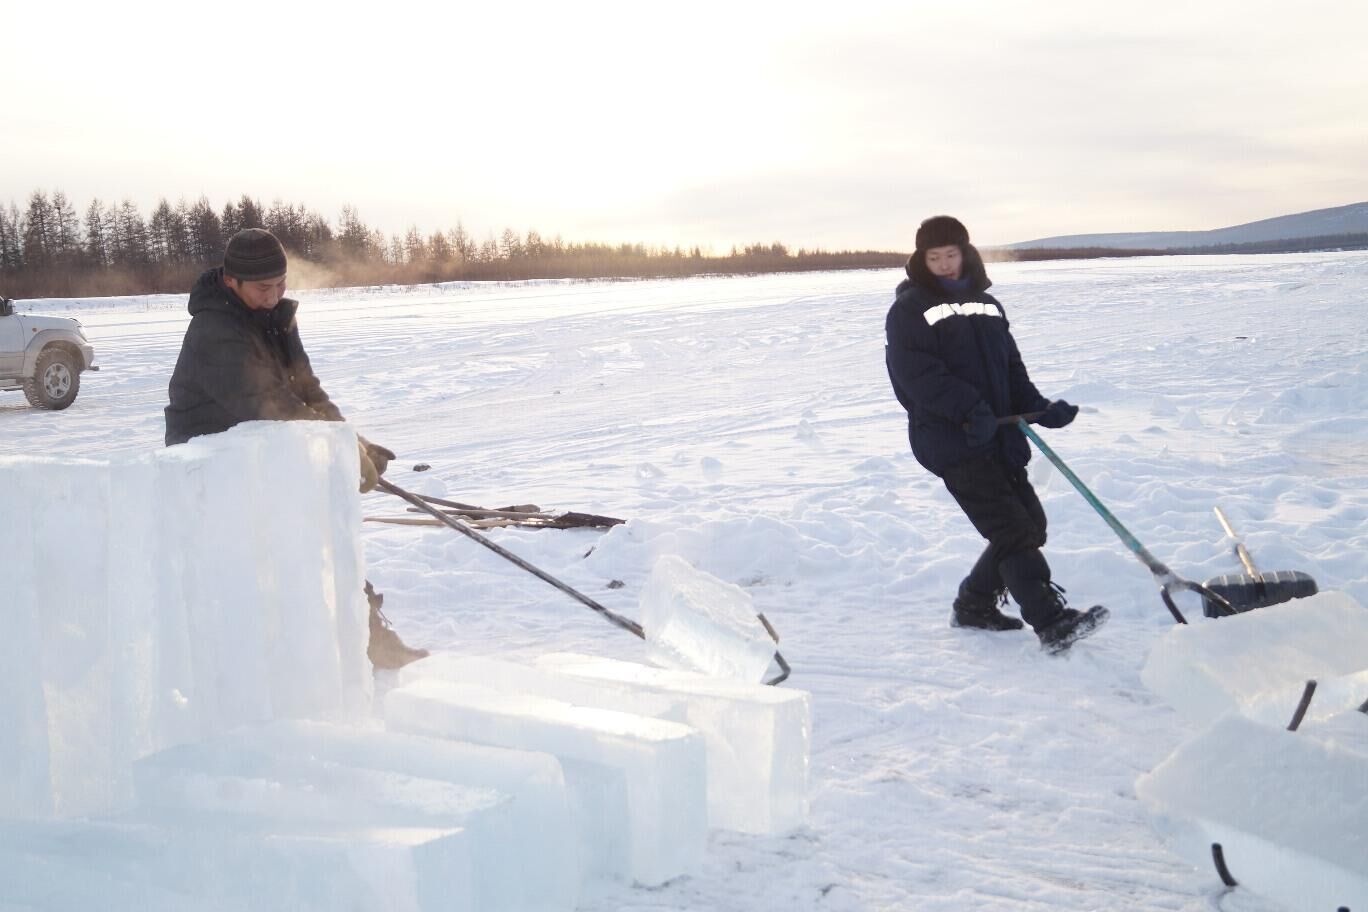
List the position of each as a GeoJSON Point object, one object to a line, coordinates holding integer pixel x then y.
{"type": "Point", "coordinates": [946, 352]}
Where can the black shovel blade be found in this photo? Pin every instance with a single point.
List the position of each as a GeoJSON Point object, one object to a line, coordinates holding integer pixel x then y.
{"type": "Point", "coordinates": [1245, 592]}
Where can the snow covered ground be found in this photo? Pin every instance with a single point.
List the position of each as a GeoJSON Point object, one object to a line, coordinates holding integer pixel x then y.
{"type": "Point", "coordinates": [746, 424]}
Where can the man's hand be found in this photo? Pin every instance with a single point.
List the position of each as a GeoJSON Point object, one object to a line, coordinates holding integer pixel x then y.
{"type": "Point", "coordinates": [370, 476]}
{"type": "Point", "coordinates": [1057, 414]}
{"type": "Point", "coordinates": [980, 425]}
{"type": "Point", "coordinates": [379, 456]}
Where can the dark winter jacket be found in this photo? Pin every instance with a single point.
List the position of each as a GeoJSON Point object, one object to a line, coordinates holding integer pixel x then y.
{"type": "Point", "coordinates": [237, 364]}
{"type": "Point", "coordinates": [946, 352]}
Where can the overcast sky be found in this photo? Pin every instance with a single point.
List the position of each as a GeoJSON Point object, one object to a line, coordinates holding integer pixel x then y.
{"type": "Point", "coordinates": [841, 124]}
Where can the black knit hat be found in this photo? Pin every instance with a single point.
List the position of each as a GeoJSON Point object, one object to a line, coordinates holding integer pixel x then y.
{"type": "Point", "coordinates": [254, 254]}
{"type": "Point", "coordinates": [942, 231]}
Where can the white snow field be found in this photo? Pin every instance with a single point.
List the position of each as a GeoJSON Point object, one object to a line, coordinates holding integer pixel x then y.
{"type": "Point", "coordinates": [744, 425]}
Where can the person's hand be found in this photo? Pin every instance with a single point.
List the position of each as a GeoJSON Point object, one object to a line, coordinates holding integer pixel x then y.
{"type": "Point", "coordinates": [1057, 414]}
{"type": "Point", "coordinates": [379, 455]}
{"type": "Point", "coordinates": [980, 425]}
{"type": "Point", "coordinates": [370, 477]}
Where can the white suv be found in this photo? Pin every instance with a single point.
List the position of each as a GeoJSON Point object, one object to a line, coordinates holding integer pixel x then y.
{"type": "Point", "coordinates": [43, 356]}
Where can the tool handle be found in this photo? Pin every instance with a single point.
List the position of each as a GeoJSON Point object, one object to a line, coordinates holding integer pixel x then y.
{"type": "Point", "coordinates": [1028, 417]}
{"type": "Point", "coordinates": [1240, 550]}
{"type": "Point", "coordinates": [446, 520]}
{"type": "Point", "coordinates": [1012, 419]}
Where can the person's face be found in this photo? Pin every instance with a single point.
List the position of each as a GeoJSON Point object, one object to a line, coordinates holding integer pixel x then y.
{"type": "Point", "coordinates": [258, 295]}
{"type": "Point", "coordinates": [945, 262]}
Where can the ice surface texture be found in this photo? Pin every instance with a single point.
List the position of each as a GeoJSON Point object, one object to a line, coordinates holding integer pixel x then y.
{"type": "Point", "coordinates": [1287, 810]}
{"type": "Point", "coordinates": [697, 622]}
{"type": "Point", "coordinates": [1207, 669]}
{"type": "Point", "coordinates": [161, 599]}
{"type": "Point", "coordinates": [757, 737]}
{"type": "Point", "coordinates": [652, 773]}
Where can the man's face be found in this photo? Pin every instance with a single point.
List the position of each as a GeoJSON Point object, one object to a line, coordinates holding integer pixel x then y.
{"type": "Point", "coordinates": [945, 262]}
{"type": "Point", "coordinates": [262, 294]}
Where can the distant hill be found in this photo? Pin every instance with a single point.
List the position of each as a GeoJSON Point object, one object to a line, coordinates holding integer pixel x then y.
{"type": "Point", "coordinates": [1319, 224]}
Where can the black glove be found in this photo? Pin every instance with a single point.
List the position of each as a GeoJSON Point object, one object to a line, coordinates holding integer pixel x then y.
{"type": "Point", "coordinates": [980, 425]}
{"type": "Point", "coordinates": [379, 456]}
{"type": "Point", "coordinates": [1058, 414]}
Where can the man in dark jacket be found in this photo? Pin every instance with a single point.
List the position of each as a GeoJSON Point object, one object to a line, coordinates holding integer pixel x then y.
{"type": "Point", "coordinates": [956, 369]}
{"type": "Point", "coordinates": [242, 360]}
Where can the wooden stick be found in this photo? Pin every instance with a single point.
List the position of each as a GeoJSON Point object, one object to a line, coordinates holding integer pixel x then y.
{"type": "Point", "coordinates": [481, 513]}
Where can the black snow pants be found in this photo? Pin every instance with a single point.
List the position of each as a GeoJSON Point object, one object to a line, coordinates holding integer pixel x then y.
{"type": "Point", "coordinates": [1004, 508]}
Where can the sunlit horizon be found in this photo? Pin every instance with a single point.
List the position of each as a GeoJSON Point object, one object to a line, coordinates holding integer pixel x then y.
{"type": "Point", "coordinates": [833, 127]}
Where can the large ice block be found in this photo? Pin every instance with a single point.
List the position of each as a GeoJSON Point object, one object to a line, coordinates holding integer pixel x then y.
{"type": "Point", "coordinates": [757, 737]}
{"type": "Point", "coordinates": [696, 622]}
{"type": "Point", "coordinates": [213, 862]}
{"type": "Point", "coordinates": [658, 768]}
{"type": "Point", "coordinates": [25, 768]}
{"type": "Point", "coordinates": [166, 597]}
{"type": "Point", "coordinates": [1332, 696]}
{"type": "Point", "coordinates": [512, 803]}
{"type": "Point", "coordinates": [52, 576]}
{"type": "Point", "coordinates": [1206, 670]}
{"type": "Point", "coordinates": [1288, 811]}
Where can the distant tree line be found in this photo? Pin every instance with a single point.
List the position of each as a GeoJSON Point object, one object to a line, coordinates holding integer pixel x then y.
{"type": "Point", "coordinates": [48, 250]}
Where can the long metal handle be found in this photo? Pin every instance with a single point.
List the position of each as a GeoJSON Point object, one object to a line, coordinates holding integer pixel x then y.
{"type": "Point", "coordinates": [1011, 419]}
{"type": "Point", "coordinates": [619, 620]}
{"type": "Point", "coordinates": [1155, 565]}
{"type": "Point", "coordinates": [1240, 550]}
{"type": "Point", "coordinates": [1167, 579]}
{"type": "Point", "coordinates": [625, 623]}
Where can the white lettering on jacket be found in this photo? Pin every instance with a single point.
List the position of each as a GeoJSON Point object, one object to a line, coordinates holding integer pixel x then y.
{"type": "Point", "coordinates": [969, 309]}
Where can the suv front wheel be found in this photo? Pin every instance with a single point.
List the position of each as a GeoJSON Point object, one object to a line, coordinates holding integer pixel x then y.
{"type": "Point", "coordinates": [55, 380]}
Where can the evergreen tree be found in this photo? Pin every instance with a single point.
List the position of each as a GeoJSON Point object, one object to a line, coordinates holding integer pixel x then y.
{"type": "Point", "coordinates": [182, 248]}
{"type": "Point", "coordinates": [159, 233]}
{"type": "Point", "coordinates": [250, 213]}
{"type": "Point", "coordinates": [287, 224]}
{"type": "Point", "coordinates": [353, 236]}
{"type": "Point", "coordinates": [230, 223]}
{"type": "Point", "coordinates": [39, 233]}
{"type": "Point", "coordinates": [97, 235]}
{"type": "Point", "coordinates": [66, 230]}
{"type": "Point", "coordinates": [206, 233]}
{"type": "Point", "coordinates": [463, 243]}
{"type": "Point", "coordinates": [318, 236]}
{"type": "Point", "coordinates": [439, 248]}
{"type": "Point", "coordinates": [415, 248]}
{"type": "Point", "coordinates": [533, 246]}
{"type": "Point", "coordinates": [11, 249]}
{"type": "Point", "coordinates": [130, 237]}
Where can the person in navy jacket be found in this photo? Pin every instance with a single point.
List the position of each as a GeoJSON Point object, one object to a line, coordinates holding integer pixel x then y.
{"type": "Point", "coordinates": [956, 369]}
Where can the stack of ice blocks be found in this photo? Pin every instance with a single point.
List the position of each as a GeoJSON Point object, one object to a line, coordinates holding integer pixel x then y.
{"type": "Point", "coordinates": [186, 681]}
{"type": "Point", "coordinates": [1286, 807]}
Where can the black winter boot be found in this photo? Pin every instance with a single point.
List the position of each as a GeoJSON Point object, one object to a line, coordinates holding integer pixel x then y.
{"type": "Point", "coordinates": [1070, 625]}
{"type": "Point", "coordinates": [981, 612]}
{"type": "Point", "coordinates": [385, 650]}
